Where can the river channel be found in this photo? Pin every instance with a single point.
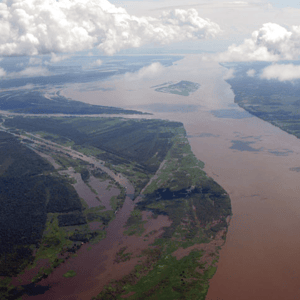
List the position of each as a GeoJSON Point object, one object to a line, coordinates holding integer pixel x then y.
{"type": "Point", "coordinates": [253, 160]}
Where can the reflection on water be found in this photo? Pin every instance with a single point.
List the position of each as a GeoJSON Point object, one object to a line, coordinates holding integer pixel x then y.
{"type": "Point", "coordinates": [243, 146]}
{"type": "Point", "coordinates": [285, 152]}
{"type": "Point", "coordinates": [231, 114]}
{"type": "Point", "coordinates": [162, 107]}
{"type": "Point", "coordinates": [203, 134]}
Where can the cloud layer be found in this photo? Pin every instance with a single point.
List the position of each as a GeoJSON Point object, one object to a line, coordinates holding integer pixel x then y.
{"type": "Point", "coordinates": [147, 72]}
{"type": "Point", "coordinates": [271, 42]}
{"type": "Point", "coordinates": [32, 27]}
{"type": "Point", "coordinates": [281, 72]}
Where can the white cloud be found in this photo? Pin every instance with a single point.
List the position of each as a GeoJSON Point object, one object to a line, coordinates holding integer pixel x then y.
{"type": "Point", "coordinates": [229, 74]}
{"type": "Point", "coordinates": [271, 42]}
{"type": "Point", "coordinates": [281, 72]}
{"type": "Point", "coordinates": [35, 61]}
{"type": "Point", "coordinates": [30, 72]}
{"type": "Point", "coordinates": [148, 72]}
{"type": "Point", "coordinates": [96, 63]}
{"type": "Point", "coordinates": [2, 72]}
{"type": "Point", "coordinates": [57, 58]}
{"type": "Point", "coordinates": [251, 72]}
{"type": "Point", "coordinates": [32, 27]}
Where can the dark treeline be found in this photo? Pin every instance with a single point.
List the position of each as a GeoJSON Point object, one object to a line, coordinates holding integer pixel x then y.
{"type": "Point", "coordinates": [71, 219]}
{"type": "Point", "coordinates": [26, 196]}
{"type": "Point", "coordinates": [143, 142]}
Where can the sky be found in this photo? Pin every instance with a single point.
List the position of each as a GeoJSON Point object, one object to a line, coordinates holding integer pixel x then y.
{"type": "Point", "coordinates": [243, 30]}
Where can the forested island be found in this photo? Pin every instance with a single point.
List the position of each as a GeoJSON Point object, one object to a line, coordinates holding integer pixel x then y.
{"type": "Point", "coordinates": [183, 88]}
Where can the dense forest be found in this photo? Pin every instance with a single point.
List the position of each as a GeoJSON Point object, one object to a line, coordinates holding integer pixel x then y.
{"type": "Point", "coordinates": [27, 193]}
{"type": "Point", "coordinates": [145, 142]}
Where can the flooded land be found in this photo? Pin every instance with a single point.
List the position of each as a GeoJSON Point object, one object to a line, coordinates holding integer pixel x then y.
{"type": "Point", "coordinates": [144, 195]}
{"type": "Point", "coordinates": [253, 160]}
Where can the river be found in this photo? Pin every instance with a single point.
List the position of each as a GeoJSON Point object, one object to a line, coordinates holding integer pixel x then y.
{"type": "Point", "coordinates": [252, 159]}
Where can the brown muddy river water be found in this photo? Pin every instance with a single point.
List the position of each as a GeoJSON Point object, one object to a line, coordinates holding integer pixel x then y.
{"type": "Point", "coordinates": [250, 158]}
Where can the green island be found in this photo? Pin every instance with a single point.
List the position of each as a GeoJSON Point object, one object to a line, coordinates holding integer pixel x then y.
{"type": "Point", "coordinates": [183, 88]}
{"type": "Point", "coordinates": [168, 181]}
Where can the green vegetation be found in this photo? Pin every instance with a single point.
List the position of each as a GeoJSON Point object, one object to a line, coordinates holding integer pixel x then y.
{"type": "Point", "coordinates": [121, 256]}
{"type": "Point", "coordinates": [7, 289]}
{"type": "Point", "coordinates": [40, 212]}
{"type": "Point", "coordinates": [168, 278]}
{"type": "Point", "coordinates": [54, 240]}
{"type": "Point", "coordinates": [66, 161]}
{"type": "Point", "coordinates": [134, 224]}
{"type": "Point", "coordinates": [197, 207]}
{"type": "Point", "coordinates": [183, 192]}
{"type": "Point", "coordinates": [135, 148]}
{"type": "Point", "coordinates": [56, 139]}
{"type": "Point", "coordinates": [25, 199]}
{"type": "Point", "coordinates": [181, 168]}
{"type": "Point", "coordinates": [88, 150]}
{"type": "Point", "coordinates": [98, 173]}
{"type": "Point", "coordinates": [96, 214]}
{"type": "Point", "coordinates": [69, 274]}
{"type": "Point", "coordinates": [34, 102]}
{"type": "Point", "coordinates": [183, 88]}
{"type": "Point", "coordinates": [274, 101]}
{"type": "Point", "coordinates": [139, 149]}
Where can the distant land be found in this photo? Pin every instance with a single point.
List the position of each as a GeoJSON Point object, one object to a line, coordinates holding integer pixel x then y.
{"type": "Point", "coordinates": [35, 102]}
{"type": "Point", "coordinates": [277, 102]}
{"type": "Point", "coordinates": [183, 88]}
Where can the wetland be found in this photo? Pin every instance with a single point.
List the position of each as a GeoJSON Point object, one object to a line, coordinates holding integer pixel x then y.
{"type": "Point", "coordinates": [158, 242]}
